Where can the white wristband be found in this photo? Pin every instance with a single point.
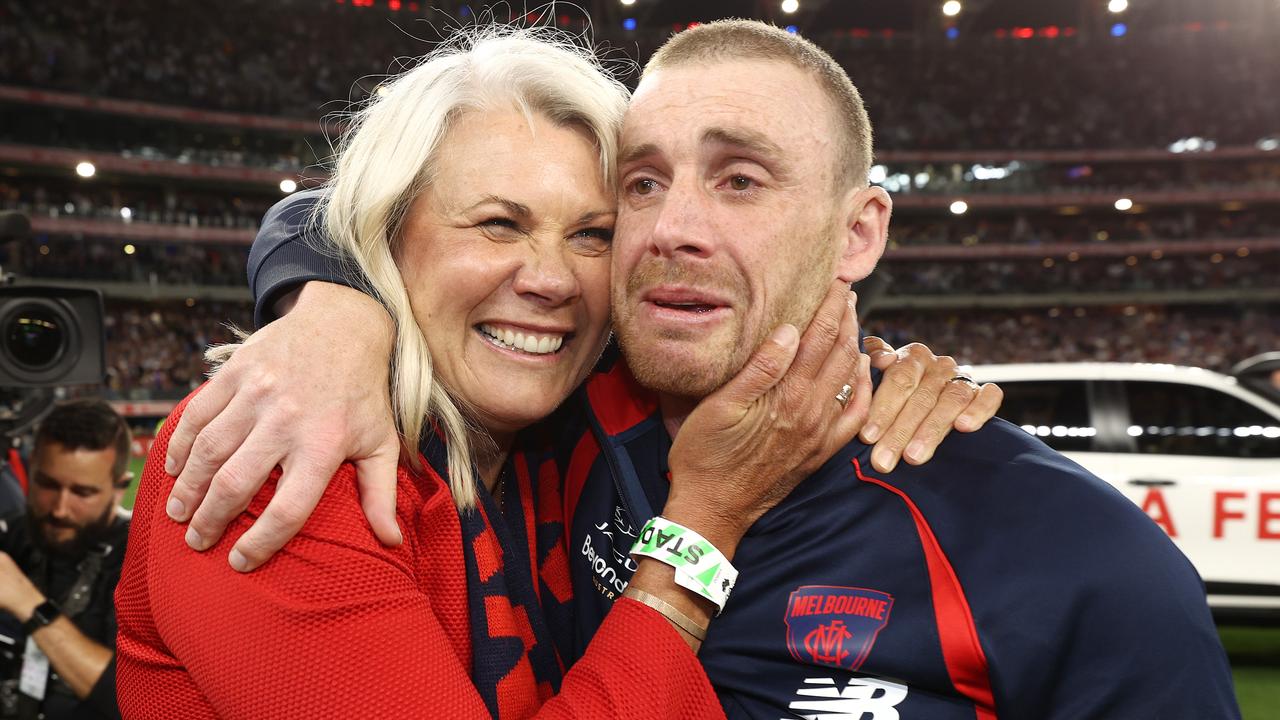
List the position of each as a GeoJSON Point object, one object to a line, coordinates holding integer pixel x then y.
{"type": "Point", "coordinates": [700, 567]}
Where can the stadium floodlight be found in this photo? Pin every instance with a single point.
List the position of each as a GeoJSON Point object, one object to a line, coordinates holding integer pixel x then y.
{"type": "Point", "coordinates": [1124, 204]}
{"type": "Point", "coordinates": [959, 207]}
{"type": "Point", "coordinates": [878, 174]}
{"type": "Point", "coordinates": [126, 213]}
{"type": "Point", "coordinates": [628, 2]}
{"type": "Point", "coordinates": [951, 8]}
{"type": "Point", "coordinates": [287, 186]}
{"type": "Point", "coordinates": [790, 6]}
{"type": "Point", "coordinates": [130, 249]}
{"type": "Point", "coordinates": [85, 169]}
{"type": "Point", "coordinates": [1118, 6]}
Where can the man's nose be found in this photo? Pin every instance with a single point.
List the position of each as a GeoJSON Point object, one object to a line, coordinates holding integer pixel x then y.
{"type": "Point", "coordinates": [546, 275]}
{"type": "Point", "coordinates": [682, 224]}
{"type": "Point", "coordinates": [62, 505]}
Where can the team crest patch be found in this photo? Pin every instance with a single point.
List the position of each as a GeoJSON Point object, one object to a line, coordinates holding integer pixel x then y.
{"type": "Point", "coordinates": [835, 626]}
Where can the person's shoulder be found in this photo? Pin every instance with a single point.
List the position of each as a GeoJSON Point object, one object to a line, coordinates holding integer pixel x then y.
{"type": "Point", "coordinates": [1001, 461]}
{"type": "Point", "coordinates": [338, 517]}
{"type": "Point", "coordinates": [1001, 485]}
{"type": "Point", "coordinates": [293, 213]}
{"type": "Point", "coordinates": [13, 529]}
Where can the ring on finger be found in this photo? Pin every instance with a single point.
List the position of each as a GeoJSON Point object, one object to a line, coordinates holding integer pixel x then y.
{"type": "Point", "coordinates": [846, 392]}
{"type": "Point", "coordinates": [966, 380]}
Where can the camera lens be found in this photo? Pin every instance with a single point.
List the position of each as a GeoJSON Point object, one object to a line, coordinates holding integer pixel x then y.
{"type": "Point", "coordinates": [34, 336]}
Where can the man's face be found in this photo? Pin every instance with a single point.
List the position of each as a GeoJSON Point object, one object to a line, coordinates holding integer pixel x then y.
{"type": "Point", "coordinates": [730, 219]}
{"type": "Point", "coordinates": [73, 496]}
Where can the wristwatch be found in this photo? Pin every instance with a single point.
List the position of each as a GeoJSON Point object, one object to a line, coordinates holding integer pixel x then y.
{"type": "Point", "coordinates": [45, 613]}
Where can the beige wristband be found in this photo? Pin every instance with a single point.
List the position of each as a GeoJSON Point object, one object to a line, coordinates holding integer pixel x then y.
{"type": "Point", "coordinates": [667, 610]}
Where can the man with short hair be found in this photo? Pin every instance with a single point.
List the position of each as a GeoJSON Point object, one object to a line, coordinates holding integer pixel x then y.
{"type": "Point", "coordinates": [59, 565]}
{"type": "Point", "coordinates": [998, 580]}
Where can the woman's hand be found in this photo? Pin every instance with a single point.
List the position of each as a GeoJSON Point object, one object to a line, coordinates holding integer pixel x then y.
{"type": "Point", "coordinates": [920, 399]}
{"type": "Point", "coordinates": [306, 393]}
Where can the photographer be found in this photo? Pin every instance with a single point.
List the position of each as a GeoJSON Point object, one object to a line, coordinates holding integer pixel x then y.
{"type": "Point", "coordinates": [59, 565]}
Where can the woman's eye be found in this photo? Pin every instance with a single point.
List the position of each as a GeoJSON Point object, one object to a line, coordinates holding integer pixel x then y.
{"type": "Point", "coordinates": [602, 234]}
{"type": "Point", "coordinates": [741, 182]}
{"type": "Point", "coordinates": [498, 222]}
{"type": "Point", "coordinates": [594, 240]}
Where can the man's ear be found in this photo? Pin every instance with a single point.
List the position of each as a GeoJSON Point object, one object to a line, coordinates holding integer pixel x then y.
{"type": "Point", "coordinates": [866, 230]}
{"type": "Point", "coordinates": [121, 486]}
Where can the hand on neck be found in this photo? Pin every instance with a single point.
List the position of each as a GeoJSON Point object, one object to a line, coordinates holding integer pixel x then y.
{"type": "Point", "coordinates": [675, 409]}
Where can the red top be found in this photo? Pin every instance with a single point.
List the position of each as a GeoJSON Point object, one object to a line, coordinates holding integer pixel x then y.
{"type": "Point", "coordinates": [338, 625]}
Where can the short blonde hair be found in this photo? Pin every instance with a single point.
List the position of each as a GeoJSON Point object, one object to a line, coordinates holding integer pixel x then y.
{"type": "Point", "coordinates": [388, 158]}
{"type": "Point", "coordinates": [753, 40]}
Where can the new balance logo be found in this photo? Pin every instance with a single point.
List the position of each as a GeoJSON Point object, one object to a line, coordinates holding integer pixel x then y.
{"type": "Point", "coordinates": [863, 698]}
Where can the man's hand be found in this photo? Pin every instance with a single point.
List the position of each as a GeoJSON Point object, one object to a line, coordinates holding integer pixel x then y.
{"type": "Point", "coordinates": [306, 392]}
{"type": "Point", "coordinates": [749, 443]}
{"type": "Point", "coordinates": [919, 401]}
{"type": "Point", "coordinates": [18, 596]}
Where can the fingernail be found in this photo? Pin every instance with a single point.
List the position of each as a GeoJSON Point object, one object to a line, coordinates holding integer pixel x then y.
{"type": "Point", "coordinates": [176, 509]}
{"type": "Point", "coordinates": [871, 433]}
{"type": "Point", "coordinates": [883, 460]}
{"type": "Point", "coordinates": [238, 561]}
{"type": "Point", "coordinates": [915, 451]}
{"type": "Point", "coordinates": [170, 466]}
{"type": "Point", "coordinates": [194, 541]}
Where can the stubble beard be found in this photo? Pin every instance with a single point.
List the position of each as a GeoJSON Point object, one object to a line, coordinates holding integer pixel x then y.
{"type": "Point", "coordinates": [703, 365]}
{"type": "Point", "coordinates": [85, 538]}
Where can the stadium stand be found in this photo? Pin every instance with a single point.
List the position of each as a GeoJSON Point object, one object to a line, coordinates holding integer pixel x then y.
{"type": "Point", "coordinates": [1044, 224]}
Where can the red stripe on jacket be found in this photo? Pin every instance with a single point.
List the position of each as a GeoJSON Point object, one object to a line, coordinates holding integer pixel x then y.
{"type": "Point", "coordinates": [961, 651]}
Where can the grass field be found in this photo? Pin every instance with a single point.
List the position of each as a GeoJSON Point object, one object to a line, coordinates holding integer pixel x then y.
{"type": "Point", "coordinates": [1254, 653]}
{"type": "Point", "coordinates": [1255, 661]}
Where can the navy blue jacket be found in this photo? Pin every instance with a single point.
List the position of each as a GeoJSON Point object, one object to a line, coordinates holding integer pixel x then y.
{"type": "Point", "coordinates": [1000, 580]}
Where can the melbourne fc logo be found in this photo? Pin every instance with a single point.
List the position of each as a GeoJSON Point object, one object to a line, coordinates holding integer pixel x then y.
{"type": "Point", "coordinates": [836, 626]}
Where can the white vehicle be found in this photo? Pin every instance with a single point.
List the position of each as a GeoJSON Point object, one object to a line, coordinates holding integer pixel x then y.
{"type": "Point", "coordinates": [1196, 450]}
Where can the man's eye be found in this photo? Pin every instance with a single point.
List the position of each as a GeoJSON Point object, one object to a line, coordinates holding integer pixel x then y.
{"type": "Point", "coordinates": [741, 182]}
{"type": "Point", "coordinates": [644, 186]}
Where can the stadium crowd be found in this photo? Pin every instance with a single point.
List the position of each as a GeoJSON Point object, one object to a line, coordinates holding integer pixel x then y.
{"type": "Point", "coordinates": [1063, 178]}
{"type": "Point", "coordinates": [142, 262]}
{"type": "Point", "coordinates": [1047, 226]}
{"type": "Point", "coordinates": [1209, 337]}
{"type": "Point", "coordinates": [146, 203]}
{"type": "Point", "coordinates": [251, 56]}
{"type": "Point", "coordinates": [157, 350]}
{"type": "Point", "coordinates": [1085, 274]}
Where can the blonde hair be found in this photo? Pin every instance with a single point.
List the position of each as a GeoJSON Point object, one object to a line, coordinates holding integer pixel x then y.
{"type": "Point", "coordinates": [387, 159]}
{"type": "Point", "coordinates": [754, 40]}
